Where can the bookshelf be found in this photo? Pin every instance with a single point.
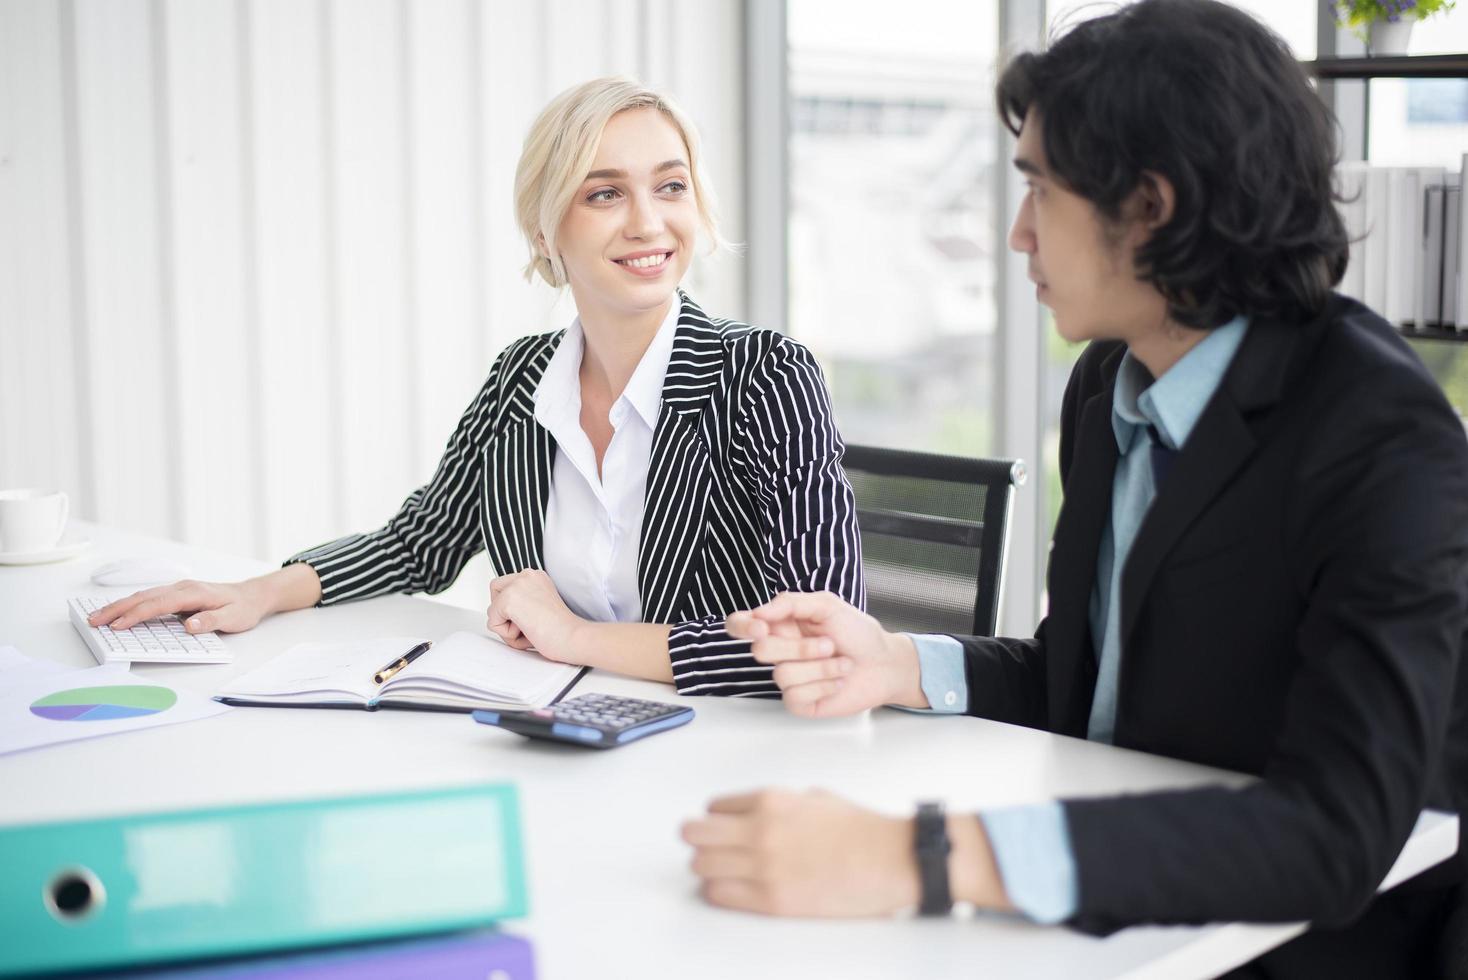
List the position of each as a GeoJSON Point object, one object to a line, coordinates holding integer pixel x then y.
{"type": "Point", "coordinates": [1432, 333]}
{"type": "Point", "coordinates": [1401, 66]}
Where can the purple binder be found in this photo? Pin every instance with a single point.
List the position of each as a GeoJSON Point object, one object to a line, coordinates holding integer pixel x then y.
{"type": "Point", "coordinates": [467, 955]}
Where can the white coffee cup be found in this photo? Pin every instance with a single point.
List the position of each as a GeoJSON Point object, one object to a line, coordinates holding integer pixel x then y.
{"type": "Point", "coordinates": [31, 520]}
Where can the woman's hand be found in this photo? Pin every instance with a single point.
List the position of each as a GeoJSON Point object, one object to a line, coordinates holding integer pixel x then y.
{"type": "Point", "coordinates": [526, 611]}
{"type": "Point", "coordinates": [830, 657]}
{"type": "Point", "coordinates": [224, 607]}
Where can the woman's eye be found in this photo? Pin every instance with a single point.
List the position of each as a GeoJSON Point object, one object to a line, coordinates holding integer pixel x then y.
{"type": "Point", "coordinates": [675, 187]}
{"type": "Point", "coordinates": [604, 196]}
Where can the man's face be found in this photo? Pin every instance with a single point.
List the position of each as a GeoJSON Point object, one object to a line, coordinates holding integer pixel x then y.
{"type": "Point", "coordinates": [1081, 269]}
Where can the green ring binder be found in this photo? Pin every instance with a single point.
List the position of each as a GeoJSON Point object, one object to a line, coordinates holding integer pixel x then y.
{"type": "Point", "coordinates": [222, 881]}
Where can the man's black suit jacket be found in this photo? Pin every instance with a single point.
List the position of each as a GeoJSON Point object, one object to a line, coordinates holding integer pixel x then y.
{"type": "Point", "coordinates": [1293, 606]}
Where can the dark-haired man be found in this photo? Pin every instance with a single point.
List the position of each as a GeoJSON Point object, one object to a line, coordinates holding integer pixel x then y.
{"type": "Point", "coordinates": [1261, 563]}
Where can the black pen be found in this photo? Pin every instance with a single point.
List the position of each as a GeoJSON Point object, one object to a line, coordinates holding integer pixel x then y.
{"type": "Point", "coordinates": [397, 665]}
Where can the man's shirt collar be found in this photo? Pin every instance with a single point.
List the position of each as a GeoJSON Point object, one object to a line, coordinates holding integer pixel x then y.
{"type": "Point", "coordinates": [1172, 403]}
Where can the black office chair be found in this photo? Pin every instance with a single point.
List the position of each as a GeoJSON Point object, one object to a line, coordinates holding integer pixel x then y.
{"type": "Point", "coordinates": [934, 531]}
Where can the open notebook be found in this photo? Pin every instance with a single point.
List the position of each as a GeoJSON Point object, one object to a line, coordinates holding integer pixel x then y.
{"type": "Point", "coordinates": [462, 672]}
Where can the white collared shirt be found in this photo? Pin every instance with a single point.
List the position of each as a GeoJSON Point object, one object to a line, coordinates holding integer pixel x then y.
{"type": "Point", "coordinates": [593, 525]}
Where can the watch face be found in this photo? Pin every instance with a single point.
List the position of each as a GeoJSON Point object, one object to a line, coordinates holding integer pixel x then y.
{"type": "Point", "coordinates": [932, 830]}
{"type": "Point", "coordinates": [931, 840]}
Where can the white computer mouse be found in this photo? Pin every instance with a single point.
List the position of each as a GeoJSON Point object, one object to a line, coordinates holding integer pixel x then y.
{"type": "Point", "coordinates": [138, 571]}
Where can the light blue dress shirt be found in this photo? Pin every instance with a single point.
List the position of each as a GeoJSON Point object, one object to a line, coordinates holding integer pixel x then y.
{"type": "Point", "coordinates": [1031, 843]}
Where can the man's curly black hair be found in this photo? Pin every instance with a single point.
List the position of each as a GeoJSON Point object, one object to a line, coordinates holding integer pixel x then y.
{"type": "Point", "coordinates": [1204, 95]}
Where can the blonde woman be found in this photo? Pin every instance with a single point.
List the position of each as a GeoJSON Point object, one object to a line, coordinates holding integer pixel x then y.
{"type": "Point", "coordinates": [635, 477]}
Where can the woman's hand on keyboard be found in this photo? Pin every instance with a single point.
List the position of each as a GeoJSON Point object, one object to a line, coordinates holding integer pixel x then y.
{"type": "Point", "coordinates": [223, 607]}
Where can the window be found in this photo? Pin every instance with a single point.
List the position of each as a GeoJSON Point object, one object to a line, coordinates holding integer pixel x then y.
{"type": "Point", "coordinates": [892, 235]}
{"type": "Point", "coordinates": [1423, 122]}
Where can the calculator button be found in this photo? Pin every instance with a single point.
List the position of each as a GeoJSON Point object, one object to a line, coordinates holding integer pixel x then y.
{"type": "Point", "coordinates": [577, 732]}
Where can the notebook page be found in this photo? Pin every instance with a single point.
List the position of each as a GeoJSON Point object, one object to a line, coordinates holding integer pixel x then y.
{"type": "Point", "coordinates": [309, 671]}
{"type": "Point", "coordinates": [478, 664]}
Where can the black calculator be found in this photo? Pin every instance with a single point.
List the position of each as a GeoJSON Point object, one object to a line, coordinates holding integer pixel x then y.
{"type": "Point", "coordinates": [600, 721]}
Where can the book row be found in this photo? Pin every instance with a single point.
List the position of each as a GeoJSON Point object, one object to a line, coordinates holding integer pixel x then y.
{"type": "Point", "coordinates": [1408, 260]}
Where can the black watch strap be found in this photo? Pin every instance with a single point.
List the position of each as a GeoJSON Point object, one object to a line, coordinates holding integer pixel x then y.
{"type": "Point", "coordinates": [930, 841]}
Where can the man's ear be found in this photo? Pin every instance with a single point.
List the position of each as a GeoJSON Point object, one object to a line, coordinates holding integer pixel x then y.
{"type": "Point", "coordinates": [1155, 200]}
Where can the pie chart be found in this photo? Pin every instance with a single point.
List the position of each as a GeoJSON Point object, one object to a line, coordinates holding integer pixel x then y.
{"type": "Point", "coordinates": [104, 703]}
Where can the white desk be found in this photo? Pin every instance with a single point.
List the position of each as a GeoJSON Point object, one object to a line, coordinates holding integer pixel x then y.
{"type": "Point", "coordinates": [610, 892]}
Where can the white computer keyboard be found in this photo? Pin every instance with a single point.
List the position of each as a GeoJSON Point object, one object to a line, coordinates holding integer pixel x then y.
{"type": "Point", "coordinates": [159, 640]}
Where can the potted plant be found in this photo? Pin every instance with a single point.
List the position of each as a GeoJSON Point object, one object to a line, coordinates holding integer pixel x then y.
{"type": "Point", "coordinates": [1386, 25]}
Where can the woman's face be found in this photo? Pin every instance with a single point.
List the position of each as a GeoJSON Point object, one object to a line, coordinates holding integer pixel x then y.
{"type": "Point", "coordinates": [628, 236]}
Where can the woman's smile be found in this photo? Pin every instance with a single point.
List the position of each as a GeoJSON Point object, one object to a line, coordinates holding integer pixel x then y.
{"type": "Point", "coordinates": [648, 264]}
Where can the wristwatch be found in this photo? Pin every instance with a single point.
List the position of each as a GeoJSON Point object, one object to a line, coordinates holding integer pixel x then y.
{"type": "Point", "coordinates": [930, 841]}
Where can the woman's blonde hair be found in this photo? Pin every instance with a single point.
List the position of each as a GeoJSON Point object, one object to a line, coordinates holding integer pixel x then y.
{"type": "Point", "coordinates": [560, 149]}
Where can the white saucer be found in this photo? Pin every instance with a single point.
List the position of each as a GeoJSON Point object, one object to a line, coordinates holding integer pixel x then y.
{"type": "Point", "coordinates": [66, 549]}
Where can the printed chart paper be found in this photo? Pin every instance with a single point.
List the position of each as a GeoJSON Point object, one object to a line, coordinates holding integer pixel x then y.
{"type": "Point", "coordinates": [42, 703]}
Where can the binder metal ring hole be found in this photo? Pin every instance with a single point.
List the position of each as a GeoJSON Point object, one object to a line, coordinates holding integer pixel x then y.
{"type": "Point", "coordinates": [74, 894]}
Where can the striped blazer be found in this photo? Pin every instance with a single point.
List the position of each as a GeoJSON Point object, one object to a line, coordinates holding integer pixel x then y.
{"type": "Point", "coordinates": [746, 496]}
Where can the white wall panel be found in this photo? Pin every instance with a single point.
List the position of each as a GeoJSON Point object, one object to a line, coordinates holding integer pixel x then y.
{"type": "Point", "coordinates": [574, 42]}
{"type": "Point", "coordinates": [379, 378]}
{"type": "Point", "coordinates": [300, 413]}
{"type": "Point", "coordinates": [38, 379]}
{"type": "Point", "coordinates": [445, 320]}
{"type": "Point", "coordinates": [656, 57]}
{"type": "Point", "coordinates": [623, 37]}
{"type": "Point", "coordinates": [216, 397]}
{"type": "Point", "coordinates": [515, 90]}
{"type": "Point", "coordinates": [130, 344]}
{"type": "Point", "coordinates": [707, 59]}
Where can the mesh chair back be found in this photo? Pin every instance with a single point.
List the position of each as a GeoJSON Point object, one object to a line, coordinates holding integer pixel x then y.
{"type": "Point", "coordinates": [933, 535]}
